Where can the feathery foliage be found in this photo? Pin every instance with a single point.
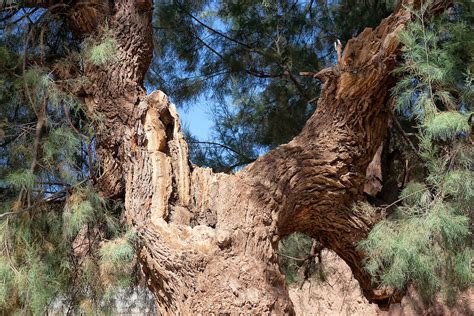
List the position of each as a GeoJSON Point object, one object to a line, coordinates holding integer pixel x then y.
{"type": "Point", "coordinates": [102, 53]}
{"type": "Point", "coordinates": [60, 241]}
{"type": "Point", "coordinates": [293, 250]}
{"type": "Point", "coordinates": [52, 220]}
{"type": "Point", "coordinates": [243, 59]}
{"type": "Point", "coordinates": [427, 241]}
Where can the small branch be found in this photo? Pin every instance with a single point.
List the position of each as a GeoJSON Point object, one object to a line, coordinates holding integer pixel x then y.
{"type": "Point", "coordinates": [316, 249]}
{"type": "Point", "coordinates": [216, 31]}
{"type": "Point", "coordinates": [399, 128]}
{"type": "Point", "coordinates": [246, 46]}
{"type": "Point", "coordinates": [260, 74]}
{"type": "Point", "coordinates": [52, 183]}
{"type": "Point", "coordinates": [69, 121]}
{"type": "Point", "coordinates": [294, 258]}
{"type": "Point", "coordinates": [297, 83]}
{"type": "Point", "coordinates": [209, 47]}
{"type": "Point", "coordinates": [38, 133]}
{"type": "Point", "coordinates": [307, 74]}
{"type": "Point", "coordinates": [322, 75]}
{"type": "Point", "coordinates": [42, 200]}
{"type": "Point", "coordinates": [221, 145]}
{"type": "Point", "coordinates": [403, 198]}
{"type": "Point", "coordinates": [243, 162]}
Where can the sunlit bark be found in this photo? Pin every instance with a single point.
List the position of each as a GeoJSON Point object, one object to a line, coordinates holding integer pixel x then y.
{"type": "Point", "coordinates": [208, 241]}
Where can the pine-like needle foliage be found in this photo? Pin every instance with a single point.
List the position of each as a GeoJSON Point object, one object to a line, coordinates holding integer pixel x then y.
{"type": "Point", "coordinates": [428, 240]}
{"type": "Point", "coordinates": [52, 220]}
{"type": "Point", "coordinates": [293, 254]}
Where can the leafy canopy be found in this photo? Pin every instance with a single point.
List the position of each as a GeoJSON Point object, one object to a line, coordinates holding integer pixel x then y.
{"type": "Point", "coordinates": [51, 218]}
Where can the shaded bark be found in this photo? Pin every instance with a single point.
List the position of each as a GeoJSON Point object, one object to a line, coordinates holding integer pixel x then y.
{"type": "Point", "coordinates": [208, 241]}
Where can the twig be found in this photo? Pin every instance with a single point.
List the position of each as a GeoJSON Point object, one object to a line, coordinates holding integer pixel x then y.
{"type": "Point", "coordinates": [296, 82]}
{"type": "Point", "coordinates": [217, 32]}
{"type": "Point", "coordinates": [294, 258]}
{"type": "Point", "coordinates": [221, 145]}
{"type": "Point", "coordinates": [43, 200]}
{"type": "Point", "coordinates": [399, 128]}
{"type": "Point", "coordinates": [403, 198]}
{"type": "Point", "coordinates": [38, 133]}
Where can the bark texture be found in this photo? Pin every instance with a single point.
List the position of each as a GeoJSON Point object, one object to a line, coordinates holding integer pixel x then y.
{"type": "Point", "coordinates": [209, 240]}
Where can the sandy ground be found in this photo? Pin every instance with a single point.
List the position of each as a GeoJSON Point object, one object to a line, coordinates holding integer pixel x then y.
{"type": "Point", "coordinates": [340, 295]}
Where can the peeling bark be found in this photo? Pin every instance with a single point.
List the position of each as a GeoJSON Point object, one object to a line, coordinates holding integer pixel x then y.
{"type": "Point", "coordinates": [209, 240]}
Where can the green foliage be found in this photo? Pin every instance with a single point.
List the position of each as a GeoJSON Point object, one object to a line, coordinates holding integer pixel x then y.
{"type": "Point", "coordinates": [243, 59]}
{"type": "Point", "coordinates": [36, 247]}
{"type": "Point", "coordinates": [116, 258]}
{"type": "Point", "coordinates": [21, 179]}
{"type": "Point", "coordinates": [39, 286]}
{"type": "Point", "coordinates": [7, 287]}
{"type": "Point", "coordinates": [79, 213]}
{"type": "Point", "coordinates": [415, 247]}
{"type": "Point", "coordinates": [427, 241]}
{"type": "Point", "coordinates": [103, 53]}
{"type": "Point", "coordinates": [28, 266]}
{"type": "Point", "coordinates": [416, 194]}
{"type": "Point", "coordinates": [67, 243]}
{"type": "Point", "coordinates": [60, 145]}
{"type": "Point", "coordinates": [116, 252]}
{"type": "Point", "coordinates": [448, 125]}
{"type": "Point", "coordinates": [459, 184]}
{"type": "Point", "coordinates": [49, 250]}
{"type": "Point", "coordinates": [39, 263]}
{"type": "Point", "coordinates": [292, 251]}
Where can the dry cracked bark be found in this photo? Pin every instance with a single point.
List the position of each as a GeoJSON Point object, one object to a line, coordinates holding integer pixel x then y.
{"type": "Point", "coordinates": [209, 240]}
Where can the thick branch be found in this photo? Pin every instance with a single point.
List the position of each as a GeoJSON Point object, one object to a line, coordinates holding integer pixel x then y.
{"type": "Point", "coordinates": [209, 240]}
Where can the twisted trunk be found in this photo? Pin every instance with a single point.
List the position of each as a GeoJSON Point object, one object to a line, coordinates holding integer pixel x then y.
{"type": "Point", "coordinates": [209, 240]}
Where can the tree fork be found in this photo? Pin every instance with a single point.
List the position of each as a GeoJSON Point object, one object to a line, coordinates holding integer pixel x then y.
{"type": "Point", "coordinates": [208, 241]}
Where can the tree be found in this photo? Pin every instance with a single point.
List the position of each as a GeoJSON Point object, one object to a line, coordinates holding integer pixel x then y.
{"type": "Point", "coordinates": [204, 241]}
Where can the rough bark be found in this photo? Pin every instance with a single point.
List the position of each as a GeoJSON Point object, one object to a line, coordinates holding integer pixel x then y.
{"type": "Point", "coordinates": [209, 240]}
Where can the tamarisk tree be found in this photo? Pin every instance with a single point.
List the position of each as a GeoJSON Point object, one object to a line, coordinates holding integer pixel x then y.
{"type": "Point", "coordinates": [98, 186]}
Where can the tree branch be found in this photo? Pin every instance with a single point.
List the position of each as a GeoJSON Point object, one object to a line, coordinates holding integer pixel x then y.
{"type": "Point", "coordinates": [405, 137]}
{"type": "Point", "coordinates": [223, 146]}
{"type": "Point", "coordinates": [216, 31]}
{"type": "Point", "coordinates": [48, 199]}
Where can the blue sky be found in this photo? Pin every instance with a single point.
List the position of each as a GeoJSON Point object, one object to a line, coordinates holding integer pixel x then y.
{"type": "Point", "coordinates": [197, 117]}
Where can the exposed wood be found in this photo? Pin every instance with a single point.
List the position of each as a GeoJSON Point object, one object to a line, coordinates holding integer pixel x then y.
{"type": "Point", "coordinates": [209, 241]}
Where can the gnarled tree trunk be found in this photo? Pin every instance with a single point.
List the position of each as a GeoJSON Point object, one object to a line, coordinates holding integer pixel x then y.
{"type": "Point", "coordinates": [209, 240]}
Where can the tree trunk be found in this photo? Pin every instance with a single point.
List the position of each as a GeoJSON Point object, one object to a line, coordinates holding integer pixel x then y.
{"type": "Point", "coordinates": [209, 241]}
